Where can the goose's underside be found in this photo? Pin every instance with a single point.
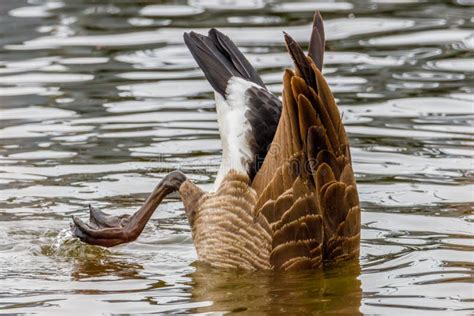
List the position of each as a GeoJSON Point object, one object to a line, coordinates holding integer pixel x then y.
{"type": "Point", "coordinates": [226, 231]}
{"type": "Point", "coordinates": [285, 196]}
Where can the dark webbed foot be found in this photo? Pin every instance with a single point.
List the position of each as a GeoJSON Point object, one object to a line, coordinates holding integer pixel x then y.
{"type": "Point", "coordinates": [99, 219]}
{"type": "Point", "coordinates": [106, 237]}
{"type": "Point", "coordinates": [107, 230]}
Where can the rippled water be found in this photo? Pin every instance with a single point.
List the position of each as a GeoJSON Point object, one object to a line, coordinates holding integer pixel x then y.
{"type": "Point", "coordinates": [99, 99]}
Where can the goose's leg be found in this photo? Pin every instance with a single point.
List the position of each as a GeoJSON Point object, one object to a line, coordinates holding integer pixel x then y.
{"type": "Point", "coordinates": [106, 230]}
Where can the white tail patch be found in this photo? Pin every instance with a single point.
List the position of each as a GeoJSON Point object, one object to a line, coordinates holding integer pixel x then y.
{"type": "Point", "coordinates": [234, 128]}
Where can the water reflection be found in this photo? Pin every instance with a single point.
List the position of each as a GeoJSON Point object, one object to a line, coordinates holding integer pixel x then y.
{"type": "Point", "coordinates": [97, 268]}
{"type": "Point", "coordinates": [337, 290]}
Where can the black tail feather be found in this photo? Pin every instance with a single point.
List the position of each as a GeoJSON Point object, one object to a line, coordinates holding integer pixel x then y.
{"type": "Point", "coordinates": [220, 59]}
{"type": "Point", "coordinates": [215, 66]}
{"type": "Point", "coordinates": [235, 56]}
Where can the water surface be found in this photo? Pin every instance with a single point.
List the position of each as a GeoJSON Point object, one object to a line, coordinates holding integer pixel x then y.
{"type": "Point", "coordinates": [100, 99]}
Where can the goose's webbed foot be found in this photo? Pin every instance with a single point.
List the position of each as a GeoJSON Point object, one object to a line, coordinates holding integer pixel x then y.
{"type": "Point", "coordinates": [108, 230]}
{"type": "Point", "coordinates": [99, 219]}
{"type": "Point", "coordinates": [106, 237]}
{"type": "Point", "coordinates": [102, 229]}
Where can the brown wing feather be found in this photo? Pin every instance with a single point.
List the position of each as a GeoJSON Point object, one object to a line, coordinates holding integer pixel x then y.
{"type": "Point", "coordinates": [306, 187]}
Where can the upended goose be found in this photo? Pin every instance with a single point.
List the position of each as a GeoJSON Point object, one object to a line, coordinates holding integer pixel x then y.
{"type": "Point", "coordinates": [286, 197]}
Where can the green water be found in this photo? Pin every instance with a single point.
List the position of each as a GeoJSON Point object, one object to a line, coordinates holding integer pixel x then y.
{"type": "Point", "coordinates": [100, 99]}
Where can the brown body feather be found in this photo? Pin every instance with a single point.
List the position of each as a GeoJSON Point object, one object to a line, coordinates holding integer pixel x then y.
{"type": "Point", "coordinates": [224, 231]}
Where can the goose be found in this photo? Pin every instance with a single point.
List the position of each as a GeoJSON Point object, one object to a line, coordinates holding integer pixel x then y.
{"type": "Point", "coordinates": [285, 194]}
